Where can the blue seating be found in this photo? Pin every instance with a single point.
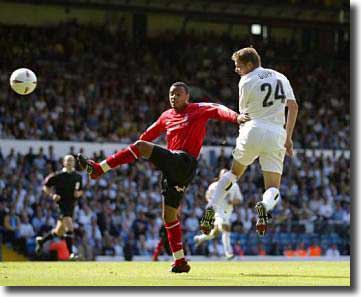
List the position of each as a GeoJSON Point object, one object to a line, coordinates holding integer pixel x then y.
{"type": "Point", "coordinates": [335, 238]}
{"type": "Point", "coordinates": [243, 239]}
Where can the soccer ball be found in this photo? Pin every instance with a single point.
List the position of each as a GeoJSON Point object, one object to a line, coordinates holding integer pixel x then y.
{"type": "Point", "coordinates": [23, 81]}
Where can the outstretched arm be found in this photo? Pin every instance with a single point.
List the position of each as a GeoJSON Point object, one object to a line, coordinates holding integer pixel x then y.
{"type": "Point", "coordinates": [154, 131]}
{"type": "Point", "coordinates": [223, 113]}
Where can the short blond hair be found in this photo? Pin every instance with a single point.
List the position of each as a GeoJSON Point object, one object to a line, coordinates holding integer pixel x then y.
{"type": "Point", "coordinates": [69, 159]}
{"type": "Point", "coordinates": [247, 54]}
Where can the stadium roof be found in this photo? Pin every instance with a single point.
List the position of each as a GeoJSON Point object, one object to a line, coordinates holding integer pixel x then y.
{"type": "Point", "coordinates": [280, 12]}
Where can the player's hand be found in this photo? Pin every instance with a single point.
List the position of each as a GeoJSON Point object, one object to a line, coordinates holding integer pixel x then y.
{"type": "Point", "coordinates": [242, 118]}
{"type": "Point", "coordinates": [289, 147]}
{"type": "Point", "coordinates": [56, 197]}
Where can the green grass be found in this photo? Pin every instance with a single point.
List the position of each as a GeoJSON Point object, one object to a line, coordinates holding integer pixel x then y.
{"type": "Point", "coordinates": [156, 274]}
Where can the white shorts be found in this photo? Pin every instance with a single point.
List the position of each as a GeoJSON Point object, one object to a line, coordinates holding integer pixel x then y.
{"type": "Point", "coordinates": [219, 220]}
{"type": "Point", "coordinates": [264, 142]}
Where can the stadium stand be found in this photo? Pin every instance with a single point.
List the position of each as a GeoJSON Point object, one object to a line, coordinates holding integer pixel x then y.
{"type": "Point", "coordinates": [92, 91]}
{"type": "Point", "coordinates": [124, 206]}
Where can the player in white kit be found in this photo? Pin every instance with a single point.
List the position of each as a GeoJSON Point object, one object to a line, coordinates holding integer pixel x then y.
{"type": "Point", "coordinates": [222, 216]}
{"type": "Point", "coordinates": [263, 96]}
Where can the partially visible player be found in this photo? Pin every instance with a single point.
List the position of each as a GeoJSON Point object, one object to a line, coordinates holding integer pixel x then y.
{"type": "Point", "coordinates": [223, 215]}
{"type": "Point", "coordinates": [64, 187]}
{"type": "Point", "coordinates": [162, 245]}
{"type": "Point", "coordinates": [264, 95]}
{"type": "Point", "coordinates": [185, 127]}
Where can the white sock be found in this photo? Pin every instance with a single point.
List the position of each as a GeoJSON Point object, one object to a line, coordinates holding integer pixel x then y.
{"type": "Point", "coordinates": [223, 185]}
{"type": "Point", "coordinates": [178, 254]}
{"type": "Point", "coordinates": [271, 198]}
{"type": "Point", "coordinates": [105, 166]}
{"type": "Point", "coordinates": [226, 239]}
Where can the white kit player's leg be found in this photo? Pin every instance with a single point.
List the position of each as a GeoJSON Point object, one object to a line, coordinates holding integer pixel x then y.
{"type": "Point", "coordinates": [199, 239]}
{"type": "Point", "coordinates": [226, 240]}
{"type": "Point", "coordinates": [223, 185]}
{"type": "Point", "coordinates": [271, 198]}
{"type": "Point", "coordinates": [263, 208]}
{"type": "Point", "coordinates": [225, 182]}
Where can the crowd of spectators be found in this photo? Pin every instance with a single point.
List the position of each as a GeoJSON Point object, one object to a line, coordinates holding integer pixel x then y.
{"type": "Point", "coordinates": [96, 83]}
{"type": "Point", "coordinates": [122, 209]}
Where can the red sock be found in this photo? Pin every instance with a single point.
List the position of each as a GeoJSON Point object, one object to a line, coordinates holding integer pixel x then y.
{"type": "Point", "coordinates": [174, 233]}
{"type": "Point", "coordinates": [157, 250]}
{"type": "Point", "coordinates": [128, 155]}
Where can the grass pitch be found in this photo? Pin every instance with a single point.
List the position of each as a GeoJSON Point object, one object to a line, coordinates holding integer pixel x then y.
{"type": "Point", "coordinates": [156, 274]}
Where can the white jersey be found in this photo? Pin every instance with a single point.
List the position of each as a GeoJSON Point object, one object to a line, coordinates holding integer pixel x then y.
{"type": "Point", "coordinates": [234, 193]}
{"type": "Point", "coordinates": [263, 93]}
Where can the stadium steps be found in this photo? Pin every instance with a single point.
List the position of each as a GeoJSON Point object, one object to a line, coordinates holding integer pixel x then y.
{"type": "Point", "coordinates": [10, 255]}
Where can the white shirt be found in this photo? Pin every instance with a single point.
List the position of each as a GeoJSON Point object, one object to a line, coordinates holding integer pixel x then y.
{"type": "Point", "coordinates": [325, 210]}
{"type": "Point", "coordinates": [263, 94]}
{"type": "Point", "coordinates": [26, 230]}
{"type": "Point", "coordinates": [234, 193]}
{"type": "Point", "coordinates": [332, 252]}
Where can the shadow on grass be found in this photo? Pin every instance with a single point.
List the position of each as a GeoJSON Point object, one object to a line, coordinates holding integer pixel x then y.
{"type": "Point", "coordinates": [292, 275]}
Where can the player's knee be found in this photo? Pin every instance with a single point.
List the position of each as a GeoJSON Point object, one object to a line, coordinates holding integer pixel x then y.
{"type": "Point", "coordinates": [68, 225]}
{"type": "Point", "coordinates": [272, 179]}
{"type": "Point", "coordinates": [238, 169]}
{"type": "Point", "coordinates": [167, 218]}
{"type": "Point", "coordinates": [145, 148]}
{"type": "Point", "coordinates": [141, 145]}
{"type": "Point", "coordinates": [59, 232]}
{"type": "Point", "coordinates": [226, 228]}
{"type": "Point", "coordinates": [169, 214]}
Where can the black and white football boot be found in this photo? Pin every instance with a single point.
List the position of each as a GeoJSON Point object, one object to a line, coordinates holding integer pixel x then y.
{"type": "Point", "coordinates": [263, 218]}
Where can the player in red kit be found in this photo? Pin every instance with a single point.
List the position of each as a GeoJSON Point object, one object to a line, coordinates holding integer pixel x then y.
{"type": "Point", "coordinates": [185, 127]}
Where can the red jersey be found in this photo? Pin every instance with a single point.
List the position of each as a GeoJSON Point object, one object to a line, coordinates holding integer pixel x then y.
{"type": "Point", "coordinates": [186, 129]}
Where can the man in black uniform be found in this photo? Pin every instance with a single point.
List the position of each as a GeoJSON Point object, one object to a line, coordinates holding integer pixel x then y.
{"type": "Point", "coordinates": [65, 187]}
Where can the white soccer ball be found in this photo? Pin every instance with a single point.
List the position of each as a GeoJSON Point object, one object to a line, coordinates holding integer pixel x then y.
{"type": "Point", "coordinates": [23, 81]}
